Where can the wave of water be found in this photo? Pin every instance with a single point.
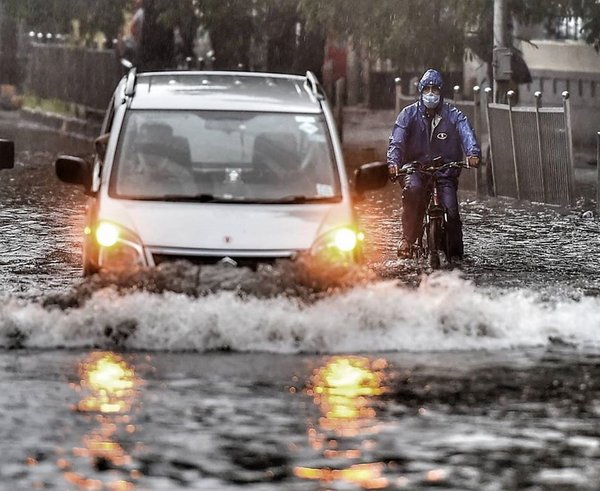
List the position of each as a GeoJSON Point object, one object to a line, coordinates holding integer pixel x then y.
{"type": "Point", "coordinates": [446, 312]}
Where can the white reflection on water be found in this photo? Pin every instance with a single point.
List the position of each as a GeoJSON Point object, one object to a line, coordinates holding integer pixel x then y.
{"type": "Point", "coordinates": [343, 390]}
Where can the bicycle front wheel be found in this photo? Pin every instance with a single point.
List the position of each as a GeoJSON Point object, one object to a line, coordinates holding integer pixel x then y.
{"type": "Point", "coordinates": [434, 235]}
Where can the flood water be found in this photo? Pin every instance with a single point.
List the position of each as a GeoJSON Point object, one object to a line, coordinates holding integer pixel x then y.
{"type": "Point", "coordinates": [484, 377]}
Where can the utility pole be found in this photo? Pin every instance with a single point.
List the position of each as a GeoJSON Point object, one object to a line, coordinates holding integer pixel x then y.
{"type": "Point", "coordinates": [502, 52]}
{"type": "Point", "coordinates": [500, 23]}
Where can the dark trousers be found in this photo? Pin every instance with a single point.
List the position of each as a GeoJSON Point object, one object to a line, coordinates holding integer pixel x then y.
{"type": "Point", "coordinates": [415, 198]}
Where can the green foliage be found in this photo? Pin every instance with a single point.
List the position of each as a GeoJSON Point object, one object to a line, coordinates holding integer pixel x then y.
{"type": "Point", "coordinates": [412, 33]}
{"type": "Point", "coordinates": [420, 33]}
{"type": "Point", "coordinates": [105, 16]}
{"type": "Point", "coordinates": [43, 15]}
{"type": "Point", "coordinates": [54, 106]}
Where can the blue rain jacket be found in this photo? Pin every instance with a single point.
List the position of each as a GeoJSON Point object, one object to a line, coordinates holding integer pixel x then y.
{"type": "Point", "coordinates": [412, 137]}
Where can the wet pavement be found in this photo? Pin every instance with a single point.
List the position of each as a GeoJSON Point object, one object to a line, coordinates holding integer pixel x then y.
{"type": "Point", "coordinates": [481, 377]}
{"type": "Point", "coordinates": [104, 420]}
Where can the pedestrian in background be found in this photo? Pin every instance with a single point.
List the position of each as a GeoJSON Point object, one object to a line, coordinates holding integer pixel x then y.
{"type": "Point", "coordinates": [129, 46]}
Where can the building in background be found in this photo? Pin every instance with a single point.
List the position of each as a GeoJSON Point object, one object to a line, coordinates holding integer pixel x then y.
{"type": "Point", "coordinates": [559, 59]}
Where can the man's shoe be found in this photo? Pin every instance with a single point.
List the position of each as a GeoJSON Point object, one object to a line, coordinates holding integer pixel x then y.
{"type": "Point", "coordinates": [404, 249]}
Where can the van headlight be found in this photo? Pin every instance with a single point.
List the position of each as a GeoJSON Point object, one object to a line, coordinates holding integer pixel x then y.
{"type": "Point", "coordinates": [342, 244]}
{"type": "Point", "coordinates": [107, 234]}
{"type": "Point", "coordinates": [119, 248]}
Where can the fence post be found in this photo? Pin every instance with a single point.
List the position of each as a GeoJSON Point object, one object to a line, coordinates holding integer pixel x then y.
{"type": "Point", "coordinates": [398, 93]}
{"type": "Point", "coordinates": [567, 106]}
{"type": "Point", "coordinates": [456, 90]}
{"type": "Point", "coordinates": [340, 85]}
{"type": "Point", "coordinates": [538, 103]}
{"type": "Point", "coordinates": [510, 96]}
{"type": "Point", "coordinates": [477, 127]}
{"type": "Point", "coordinates": [598, 167]}
{"type": "Point", "coordinates": [490, 165]}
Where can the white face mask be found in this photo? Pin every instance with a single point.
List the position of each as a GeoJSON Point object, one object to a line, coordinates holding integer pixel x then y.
{"type": "Point", "coordinates": [431, 100]}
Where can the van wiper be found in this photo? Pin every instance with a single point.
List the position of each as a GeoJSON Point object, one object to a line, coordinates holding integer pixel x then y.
{"type": "Point", "coordinates": [203, 198]}
{"type": "Point", "coordinates": [299, 199]}
{"type": "Point", "coordinates": [209, 198]}
{"type": "Point", "coordinates": [197, 198]}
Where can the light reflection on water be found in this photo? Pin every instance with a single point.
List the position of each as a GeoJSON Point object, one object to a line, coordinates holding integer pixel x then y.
{"type": "Point", "coordinates": [111, 383]}
{"type": "Point", "coordinates": [344, 390]}
{"type": "Point", "coordinates": [109, 389]}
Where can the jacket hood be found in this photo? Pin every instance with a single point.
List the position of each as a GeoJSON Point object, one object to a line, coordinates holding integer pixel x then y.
{"type": "Point", "coordinates": [431, 77]}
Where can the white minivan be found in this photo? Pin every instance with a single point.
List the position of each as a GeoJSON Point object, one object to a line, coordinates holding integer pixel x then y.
{"type": "Point", "coordinates": [215, 166]}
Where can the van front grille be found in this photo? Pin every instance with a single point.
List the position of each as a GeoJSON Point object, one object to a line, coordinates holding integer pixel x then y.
{"type": "Point", "coordinates": [204, 260]}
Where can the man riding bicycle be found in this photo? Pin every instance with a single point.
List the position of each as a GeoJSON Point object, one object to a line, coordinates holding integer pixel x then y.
{"type": "Point", "coordinates": [427, 129]}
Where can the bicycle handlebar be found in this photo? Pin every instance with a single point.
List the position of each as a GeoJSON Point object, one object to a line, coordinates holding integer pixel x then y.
{"type": "Point", "coordinates": [429, 168]}
{"type": "Point", "coordinates": [417, 166]}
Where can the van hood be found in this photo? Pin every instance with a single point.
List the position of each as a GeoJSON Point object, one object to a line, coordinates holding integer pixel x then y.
{"type": "Point", "coordinates": [231, 227]}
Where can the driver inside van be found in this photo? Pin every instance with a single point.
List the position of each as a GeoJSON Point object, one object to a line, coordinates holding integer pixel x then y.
{"type": "Point", "coordinates": [159, 164]}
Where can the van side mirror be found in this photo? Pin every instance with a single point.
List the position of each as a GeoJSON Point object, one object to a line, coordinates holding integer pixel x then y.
{"type": "Point", "coordinates": [100, 144]}
{"type": "Point", "coordinates": [7, 154]}
{"type": "Point", "coordinates": [74, 170]}
{"type": "Point", "coordinates": [370, 176]}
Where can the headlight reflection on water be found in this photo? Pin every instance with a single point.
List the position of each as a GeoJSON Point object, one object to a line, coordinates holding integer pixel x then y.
{"type": "Point", "coordinates": [343, 390]}
{"type": "Point", "coordinates": [109, 388]}
{"type": "Point", "coordinates": [111, 382]}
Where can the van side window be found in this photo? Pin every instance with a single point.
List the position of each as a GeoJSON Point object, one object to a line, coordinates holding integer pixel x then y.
{"type": "Point", "coordinates": [108, 116]}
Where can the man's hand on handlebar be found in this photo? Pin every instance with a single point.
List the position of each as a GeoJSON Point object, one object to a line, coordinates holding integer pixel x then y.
{"type": "Point", "coordinates": [473, 161]}
{"type": "Point", "coordinates": [393, 172]}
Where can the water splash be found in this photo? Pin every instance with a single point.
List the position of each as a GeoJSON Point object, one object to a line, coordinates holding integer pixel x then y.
{"type": "Point", "coordinates": [445, 313]}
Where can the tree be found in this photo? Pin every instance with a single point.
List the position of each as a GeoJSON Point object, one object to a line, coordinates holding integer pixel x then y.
{"type": "Point", "coordinates": [46, 16]}
{"type": "Point", "coordinates": [415, 34]}
{"type": "Point", "coordinates": [239, 27]}
{"type": "Point", "coordinates": [104, 16]}
{"type": "Point", "coordinates": [412, 33]}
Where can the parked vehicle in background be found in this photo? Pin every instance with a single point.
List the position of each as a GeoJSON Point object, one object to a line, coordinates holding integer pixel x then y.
{"type": "Point", "coordinates": [7, 154]}
{"type": "Point", "coordinates": [212, 166]}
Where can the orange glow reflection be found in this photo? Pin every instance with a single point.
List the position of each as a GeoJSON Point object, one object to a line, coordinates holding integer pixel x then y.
{"type": "Point", "coordinates": [344, 390]}
{"type": "Point", "coordinates": [367, 476]}
{"type": "Point", "coordinates": [111, 382]}
{"type": "Point", "coordinates": [109, 388]}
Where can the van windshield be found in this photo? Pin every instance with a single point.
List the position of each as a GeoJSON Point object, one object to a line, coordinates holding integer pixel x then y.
{"type": "Point", "coordinates": [218, 156]}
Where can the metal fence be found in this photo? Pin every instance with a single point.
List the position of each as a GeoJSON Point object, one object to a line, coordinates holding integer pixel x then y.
{"type": "Point", "coordinates": [584, 88]}
{"type": "Point", "coordinates": [531, 150]}
{"type": "Point", "coordinates": [79, 75]}
{"type": "Point", "coordinates": [471, 179]}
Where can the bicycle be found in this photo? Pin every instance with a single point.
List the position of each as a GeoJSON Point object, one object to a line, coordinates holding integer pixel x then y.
{"type": "Point", "coordinates": [433, 240]}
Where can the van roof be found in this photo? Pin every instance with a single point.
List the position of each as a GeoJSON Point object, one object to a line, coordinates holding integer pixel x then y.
{"type": "Point", "coordinates": [235, 91]}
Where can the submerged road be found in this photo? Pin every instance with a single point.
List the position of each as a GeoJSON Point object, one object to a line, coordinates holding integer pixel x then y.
{"type": "Point", "coordinates": [482, 378]}
{"type": "Point", "coordinates": [507, 243]}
